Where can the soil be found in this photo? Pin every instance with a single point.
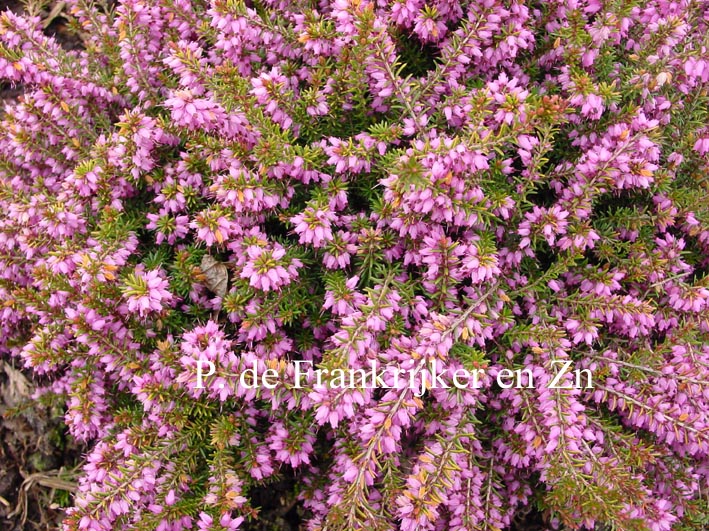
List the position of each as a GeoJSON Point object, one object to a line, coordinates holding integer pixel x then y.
{"type": "Point", "coordinates": [37, 462]}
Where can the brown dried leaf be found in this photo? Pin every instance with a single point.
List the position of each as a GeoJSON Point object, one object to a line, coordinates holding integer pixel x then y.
{"type": "Point", "coordinates": [17, 389]}
{"type": "Point", "coordinates": [216, 275]}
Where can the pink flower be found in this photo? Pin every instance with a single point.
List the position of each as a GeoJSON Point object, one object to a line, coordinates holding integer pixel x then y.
{"type": "Point", "coordinates": [212, 226]}
{"type": "Point", "coordinates": [314, 226]}
{"type": "Point", "coordinates": [146, 292]}
{"type": "Point", "coordinates": [195, 113]}
{"type": "Point", "coordinates": [701, 146]}
{"type": "Point", "coordinates": [545, 222]}
{"type": "Point", "coordinates": [268, 268]}
{"type": "Point", "coordinates": [169, 228]}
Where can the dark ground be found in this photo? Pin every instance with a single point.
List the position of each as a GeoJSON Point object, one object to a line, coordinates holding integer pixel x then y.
{"type": "Point", "coordinates": [36, 460]}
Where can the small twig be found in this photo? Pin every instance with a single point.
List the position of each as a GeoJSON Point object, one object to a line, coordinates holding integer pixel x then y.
{"type": "Point", "coordinates": [54, 13]}
{"type": "Point", "coordinates": [42, 479]}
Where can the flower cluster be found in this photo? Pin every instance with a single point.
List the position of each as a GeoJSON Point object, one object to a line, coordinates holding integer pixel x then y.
{"type": "Point", "coordinates": [211, 189]}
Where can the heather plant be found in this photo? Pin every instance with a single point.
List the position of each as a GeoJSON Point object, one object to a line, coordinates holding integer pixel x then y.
{"type": "Point", "coordinates": [498, 185]}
